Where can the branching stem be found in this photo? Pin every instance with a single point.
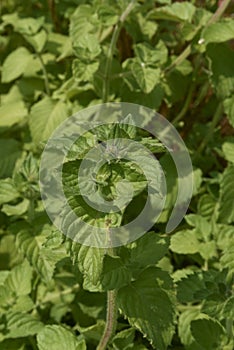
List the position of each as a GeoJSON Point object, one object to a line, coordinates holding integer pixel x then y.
{"type": "Point", "coordinates": [187, 51]}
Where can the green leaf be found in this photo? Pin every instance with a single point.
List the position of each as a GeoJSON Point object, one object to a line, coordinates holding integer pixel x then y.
{"type": "Point", "coordinates": [124, 339]}
{"type": "Point", "coordinates": [185, 242]}
{"type": "Point", "coordinates": [222, 74]}
{"type": "Point", "coordinates": [227, 259]}
{"type": "Point", "coordinates": [55, 337]}
{"type": "Point", "coordinates": [8, 191]}
{"type": "Point", "coordinates": [11, 70]}
{"type": "Point", "coordinates": [18, 209]}
{"type": "Point", "coordinates": [29, 25]}
{"type": "Point", "coordinates": [84, 71]}
{"type": "Point", "coordinates": [229, 109]}
{"type": "Point", "coordinates": [45, 116]}
{"type": "Point", "coordinates": [218, 32]}
{"type": "Point", "coordinates": [12, 113]}
{"type": "Point", "coordinates": [19, 279]}
{"type": "Point", "coordinates": [146, 77]}
{"type": "Point", "coordinates": [188, 286]}
{"type": "Point", "coordinates": [10, 151]}
{"type": "Point", "coordinates": [39, 258]}
{"type": "Point", "coordinates": [178, 11]}
{"type": "Point", "coordinates": [184, 330]}
{"type": "Point", "coordinates": [20, 324]}
{"type": "Point", "coordinates": [90, 263]}
{"type": "Point", "coordinates": [114, 273]}
{"type": "Point", "coordinates": [83, 21]}
{"type": "Point", "coordinates": [206, 206]}
{"type": "Point", "coordinates": [228, 150]}
{"type": "Point", "coordinates": [151, 55]}
{"type": "Point", "coordinates": [148, 250]}
{"type": "Point", "coordinates": [87, 48]}
{"type": "Point", "coordinates": [37, 40]}
{"type": "Point", "coordinates": [141, 302]}
{"type": "Point", "coordinates": [207, 333]}
{"type": "Point", "coordinates": [226, 213]}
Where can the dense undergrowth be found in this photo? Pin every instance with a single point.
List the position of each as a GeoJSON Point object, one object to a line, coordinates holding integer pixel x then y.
{"type": "Point", "coordinates": [167, 291]}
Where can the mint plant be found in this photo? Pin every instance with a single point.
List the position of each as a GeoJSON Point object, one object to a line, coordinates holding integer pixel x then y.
{"type": "Point", "coordinates": [163, 290]}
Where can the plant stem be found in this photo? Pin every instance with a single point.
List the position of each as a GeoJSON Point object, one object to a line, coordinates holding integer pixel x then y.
{"type": "Point", "coordinates": [111, 320]}
{"type": "Point", "coordinates": [214, 122]}
{"type": "Point", "coordinates": [179, 59]}
{"type": "Point", "coordinates": [219, 12]}
{"type": "Point", "coordinates": [115, 35]}
{"type": "Point", "coordinates": [47, 88]}
{"type": "Point", "coordinates": [190, 92]}
{"type": "Point", "coordinates": [187, 51]}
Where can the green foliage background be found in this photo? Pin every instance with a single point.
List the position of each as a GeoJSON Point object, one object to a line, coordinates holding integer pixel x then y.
{"type": "Point", "coordinates": [173, 291]}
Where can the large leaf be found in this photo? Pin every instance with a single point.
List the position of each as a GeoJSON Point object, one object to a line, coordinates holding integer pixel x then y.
{"type": "Point", "coordinates": [149, 308]}
{"type": "Point", "coordinates": [226, 212]}
{"type": "Point", "coordinates": [11, 70]}
{"type": "Point", "coordinates": [20, 324]}
{"type": "Point", "coordinates": [45, 116]}
{"type": "Point", "coordinates": [178, 11]}
{"type": "Point", "coordinates": [55, 337]}
{"type": "Point", "coordinates": [219, 32]}
{"type": "Point", "coordinates": [207, 333]}
{"type": "Point", "coordinates": [148, 250]}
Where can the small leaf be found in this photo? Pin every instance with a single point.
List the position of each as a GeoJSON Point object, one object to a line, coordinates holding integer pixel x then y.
{"type": "Point", "coordinates": [84, 71]}
{"type": "Point", "coordinates": [12, 113]}
{"type": "Point", "coordinates": [229, 109]}
{"type": "Point", "coordinates": [228, 150]}
{"type": "Point", "coordinates": [10, 151]}
{"type": "Point", "coordinates": [19, 279]}
{"type": "Point", "coordinates": [185, 242]}
{"type": "Point", "coordinates": [146, 77]}
{"type": "Point", "coordinates": [18, 209]}
{"type": "Point", "coordinates": [8, 191]}
{"type": "Point", "coordinates": [37, 40]}
{"type": "Point", "coordinates": [30, 246]}
{"type": "Point", "coordinates": [87, 48]}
